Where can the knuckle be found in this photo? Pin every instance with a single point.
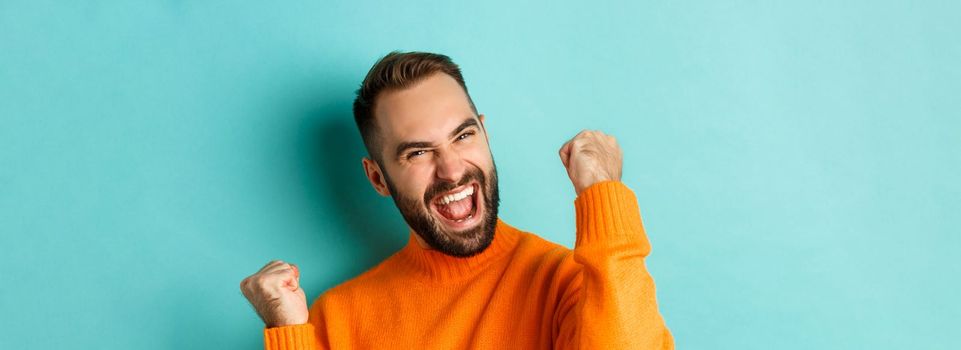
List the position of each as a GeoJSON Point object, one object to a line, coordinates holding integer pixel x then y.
{"type": "Point", "coordinates": [260, 280]}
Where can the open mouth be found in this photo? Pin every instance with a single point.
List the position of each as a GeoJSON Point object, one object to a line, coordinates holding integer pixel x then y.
{"type": "Point", "coordinates": [458, 209]}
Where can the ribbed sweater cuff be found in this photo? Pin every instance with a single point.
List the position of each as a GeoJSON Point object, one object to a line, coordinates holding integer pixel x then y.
{"type": "Point", "coordinates": [292, 337]}
{"type": "Point", "coordinates": [608, 212]}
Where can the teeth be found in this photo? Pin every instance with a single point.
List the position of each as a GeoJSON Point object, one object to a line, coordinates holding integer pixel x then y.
{"type": "Point", "coordinates": [465, 219]}
{"type": "Point", "coordinates": [457, 196]}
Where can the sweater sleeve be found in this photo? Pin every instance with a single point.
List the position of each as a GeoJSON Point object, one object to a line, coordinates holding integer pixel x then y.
{"type": "Point", "coordinates": [611, 304]}
{"type": "Point", "coordinates": [293, 337]}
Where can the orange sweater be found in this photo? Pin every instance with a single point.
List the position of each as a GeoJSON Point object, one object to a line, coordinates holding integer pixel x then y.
{"type": "Point", "coordinates": [521, 293]}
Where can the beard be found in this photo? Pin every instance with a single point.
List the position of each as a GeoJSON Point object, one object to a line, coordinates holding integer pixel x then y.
{"type": "Point", "coordinates": [466, 243]}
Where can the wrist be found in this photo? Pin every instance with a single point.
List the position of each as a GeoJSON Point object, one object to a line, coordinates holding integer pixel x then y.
{"type": "Point", "coordinates": [285, 322]}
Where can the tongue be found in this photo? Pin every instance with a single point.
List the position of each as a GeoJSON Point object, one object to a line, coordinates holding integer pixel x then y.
{"type": "Point", "coordinates": [457, 210]}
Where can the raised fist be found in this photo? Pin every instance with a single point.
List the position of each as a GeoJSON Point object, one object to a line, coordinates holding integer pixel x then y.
{"type": "Point", "coordinates": [275, 294]}
{"type": "Point", "coordinates": [591, 157]}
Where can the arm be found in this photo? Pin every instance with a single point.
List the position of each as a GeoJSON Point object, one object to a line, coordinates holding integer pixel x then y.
{"type": "Point", "coordinates": [611, 303]}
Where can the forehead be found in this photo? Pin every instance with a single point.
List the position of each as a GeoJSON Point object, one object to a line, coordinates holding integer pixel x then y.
{"type": "Point", "coordinates": [427, 111]}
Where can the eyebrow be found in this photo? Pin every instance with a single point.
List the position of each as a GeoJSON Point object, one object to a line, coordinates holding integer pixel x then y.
{"type": "Point", "coordinates": [404, 146]}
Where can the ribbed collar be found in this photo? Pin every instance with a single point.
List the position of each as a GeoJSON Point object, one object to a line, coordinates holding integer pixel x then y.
{"type": "Point", "coordinates": [439, 266]}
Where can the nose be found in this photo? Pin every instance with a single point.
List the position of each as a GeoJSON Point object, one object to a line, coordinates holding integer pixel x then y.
{"type": "Point", "coordinates": [450, 166]}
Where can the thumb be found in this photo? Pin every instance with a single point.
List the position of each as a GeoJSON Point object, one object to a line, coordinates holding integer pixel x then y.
{"type": "Point", "coordinates": [294, 282]}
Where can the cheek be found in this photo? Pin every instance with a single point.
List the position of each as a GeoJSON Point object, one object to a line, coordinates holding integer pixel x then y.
{"type": "Point", "coordinates": [481, 157]}
{"type": "Point", "coordinates": [415, 181]}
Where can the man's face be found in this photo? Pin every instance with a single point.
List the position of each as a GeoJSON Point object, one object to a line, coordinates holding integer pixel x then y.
{"type": "Point", "coordinates": [437, 165]}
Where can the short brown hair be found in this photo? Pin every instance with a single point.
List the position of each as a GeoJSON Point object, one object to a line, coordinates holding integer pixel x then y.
{"type": "Point", "coordinates": [397, 71]}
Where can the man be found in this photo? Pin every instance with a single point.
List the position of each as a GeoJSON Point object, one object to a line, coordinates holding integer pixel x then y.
{"type": "Point", "coordinates": [466, 279]}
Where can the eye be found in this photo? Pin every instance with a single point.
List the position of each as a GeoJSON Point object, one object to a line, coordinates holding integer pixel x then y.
{"type": "Point", "coordinates": [415, 153]}
{"type": "Point", "coordinates": [465, 135]}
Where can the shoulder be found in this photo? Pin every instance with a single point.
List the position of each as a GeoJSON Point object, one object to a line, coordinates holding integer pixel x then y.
{"type": "Point", "coordinates": [544, 255]}
{"type": "Point", "coordinates": [531, 243]}
{"type": "Point", "coordinates": [361, 287]}
{"type": "Point", "coordinates": [549, 267]}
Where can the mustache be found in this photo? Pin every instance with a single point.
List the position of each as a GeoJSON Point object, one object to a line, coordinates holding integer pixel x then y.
{"type": "Point", "coordinates": [442, 187]}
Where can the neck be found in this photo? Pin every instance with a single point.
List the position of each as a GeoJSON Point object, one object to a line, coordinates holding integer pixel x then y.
{"type": "Point", "coordinates": [437, 265]}
{"type": "Point", "coordinates": [420, 241]}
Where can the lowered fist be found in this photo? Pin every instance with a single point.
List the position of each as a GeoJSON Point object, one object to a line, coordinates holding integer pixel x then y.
{"type": "Point", "coordinates": [275, 294]}
{"type": "Point", "coordinates": [591, 157]}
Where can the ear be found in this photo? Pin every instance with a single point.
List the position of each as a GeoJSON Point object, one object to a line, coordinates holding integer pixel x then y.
{"type": "Point", "coordinates": [486, 136]}
{"type": "Point", "coordinates": [375, 176]}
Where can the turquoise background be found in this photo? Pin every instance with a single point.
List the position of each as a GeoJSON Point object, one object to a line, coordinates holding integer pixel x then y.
{"type": "Point", "coordinates": [798, 163]}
